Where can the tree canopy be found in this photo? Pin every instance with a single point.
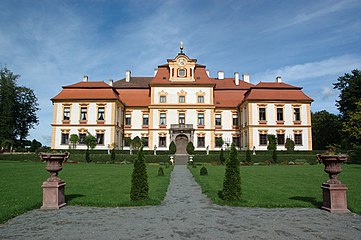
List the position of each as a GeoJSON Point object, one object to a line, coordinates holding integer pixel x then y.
{"type": "Point", "coordinates": [18, 107]}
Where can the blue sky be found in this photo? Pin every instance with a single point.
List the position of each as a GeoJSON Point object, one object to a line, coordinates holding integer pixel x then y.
{"type": "Point", "coordinates": [54, 43]}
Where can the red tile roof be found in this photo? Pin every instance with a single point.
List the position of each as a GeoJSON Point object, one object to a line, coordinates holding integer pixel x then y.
{"type": "Point", "coordinates": [228, 98]}
{"type": "Point", "coordinates": [98, 84]}
{"type": "Point", "coordinates": [134, 97]}
{"type": "Point", "coordinates": [277, 85]}
{"type": "Point", "coordinates": [228, 83]}
{"type": "Point", "coordinates": [86, 94]}
{"type": "Point", "coordinates": [279, 94]}
{"type": "Point", "coordinates": [135, 82]}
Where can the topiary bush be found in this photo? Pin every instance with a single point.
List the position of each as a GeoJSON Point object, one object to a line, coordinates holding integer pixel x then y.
{"type": "Point", "coordinates": [248, 156]}
{"type": "Point", "coordinates": [160, 172]}
{"type": "Point", "coordinates": [190, 148]}
{"type": "Point", "coordinates": [172, 148]}
{"type": "Point", "coordinates": [139, 186]}
{"type": "Point", "coordinates": [222, 159]}
{"type": "Point", "coordinates": [232, 179]}
{"type": "Point", "coordinates": [203, 171]}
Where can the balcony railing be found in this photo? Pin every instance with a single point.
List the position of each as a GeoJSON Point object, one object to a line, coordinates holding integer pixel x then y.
{"type": "Point", "coordinates": [181, 126]}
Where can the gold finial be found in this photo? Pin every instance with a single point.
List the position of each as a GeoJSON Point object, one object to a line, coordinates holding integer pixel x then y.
{"type": "Point", "coordinates": [181, 47]}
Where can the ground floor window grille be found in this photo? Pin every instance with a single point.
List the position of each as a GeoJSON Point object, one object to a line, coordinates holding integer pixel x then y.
{"type": "Point", "coordinates": [201, 142]}
{"type": "Point", "coordinates": [162, 142]}
{"type": "Point", "coordinates": [65, 138]}
{"type": "Point", "coordinates": [298, 139]}
{"type": "Point", "coordinates": [263, 139]}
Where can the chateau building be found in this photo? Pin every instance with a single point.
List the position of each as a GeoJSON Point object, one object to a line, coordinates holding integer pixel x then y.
{"type": "Point", "coordinates": [182, 103]}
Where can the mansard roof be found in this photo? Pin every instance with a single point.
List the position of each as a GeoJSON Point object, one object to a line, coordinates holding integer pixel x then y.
{"type": "Point", "coordinates": [135, 97]}
{"type": "Point", "coordinates": [228, 83]}
{"type": "Point", "coordinates": [228, 98]}
{"type": "Point", "coordinates": [135, 82]}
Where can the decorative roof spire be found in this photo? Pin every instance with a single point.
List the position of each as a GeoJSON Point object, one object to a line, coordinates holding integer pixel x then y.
{"type": "Point", "coordinates": [181, 47]}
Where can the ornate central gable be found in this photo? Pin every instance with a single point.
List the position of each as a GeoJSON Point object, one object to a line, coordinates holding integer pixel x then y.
{"type": "Point", "coordinates": [182, 68]}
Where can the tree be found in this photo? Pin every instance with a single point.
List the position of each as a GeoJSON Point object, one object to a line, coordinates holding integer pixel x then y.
{"type": "Point", "coordinates": [322, 123]}
{"type": "Point", "coordinates": [74, 138]}
{"type": "Point", "coordinates": [35, 145]}
{"type": "Point", "coordinates": [190, 148]}
{"type": "Point", "coordinates": [232, 179]}
{"type": "Point", "coordinates": [136, 143]}
{"type": "Point", "coordinates": [172, 148]}
{"type": "Point", "coordinates": [18, 107]}
{"type": "Point", "coordinates": [290, 144]}
{"type": "Point", "coordinates": [222, 159]}
{"type": "Point", "coordinates": [272, 146]}
{"type": "Point", "coordinates": [350, 92]}
{"type": "Point", "coordinates": [139, 185]}
{"type": "Point", "coordinates": [90, 142]}
{"type": "Point", "coordinates": [352, 127]}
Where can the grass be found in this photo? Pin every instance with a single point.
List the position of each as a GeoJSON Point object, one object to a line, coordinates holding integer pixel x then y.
{"type": "Point", "coordinates": [101, 185]}
{"type": "Point", "coordinates": [281, 185]}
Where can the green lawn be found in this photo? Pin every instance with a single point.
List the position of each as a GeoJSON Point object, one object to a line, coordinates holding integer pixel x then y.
{"type": "Point", "coordinates": [103, 185]}
{"type": "Point", "coordinates": [281, 185]}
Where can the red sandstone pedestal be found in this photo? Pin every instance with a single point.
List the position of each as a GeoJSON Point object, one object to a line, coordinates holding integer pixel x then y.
{"type": "Point", "coordinates": [334, 198]}
{"type": "Point", "coordinates": [53, 188]}
{"type": "Point", "coordinates": [334, 192]}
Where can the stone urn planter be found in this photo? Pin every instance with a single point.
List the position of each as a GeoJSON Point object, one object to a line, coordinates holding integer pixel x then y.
{"type": "Point", "coordinates": [53, 188]}
{"type": "Point", "coordinates": [334, 192]}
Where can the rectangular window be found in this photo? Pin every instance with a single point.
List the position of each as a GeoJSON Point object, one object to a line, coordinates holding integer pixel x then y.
{"type": "Point", "coordinates": [128, 119]}
{"type": "Point", "coordinates": [279, 114]}
{"type": "Point", "coordinates": [66, 116]}
{"type": "Point", "coordinates": [145, 119]}
{"type": "Point", "coordinates": [162, 119]}
{"type": "Point", "coordinates": [127, 141]}
{"type": "Point", "coordinates": [101, 114]}
{"type": "Point", "coordinates": [200, 99]}
{"type": "Point", "coordinates": [83, 113]}
{"type": "Point", "coordinates": [162, 99]}
{"type": "Point", "coordinates": [200, 119]}
{"type": "Point", "coordinates": [182, 99]}
{"type": "Point", "coordinates": [235, 119]}
{"type": "Point", "coordinates": [236, 141]}
{"type": "Point", "coordinates": [297, 115]}
{"type": "Point", "coordinates": [182, 118]}
{"type": "Point", "coordinates": [298, 139]}
{"type": "Point", "coordinates": [100, 138]}
{"type": "Point", "coordinates": [162, 142]}
{"type": "Point", "coordinates": [81, 138]}
{"type": "Point", "coordinates": [145, 141]}
{"type": "Point", "coordinates": [263, 139]}
{"type": "Point", "coordinates": [219, 141]}
{"type": "Point", "coordinates": [218, 119]}
{"type": "Point", "coordinates": [280, 139]}
{"type": "Point", "coordinates": [200, 142]}
{"type": "Point", "coordinates": [262, 114]}
{"type": "Point", "coordinates": [65, 138]}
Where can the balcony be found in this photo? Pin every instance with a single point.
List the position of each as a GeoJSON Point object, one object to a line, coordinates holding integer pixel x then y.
{"type": "Point", "coordinates": [181, 127]}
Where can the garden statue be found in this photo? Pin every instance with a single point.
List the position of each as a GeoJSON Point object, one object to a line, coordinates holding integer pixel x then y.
{"type": "Point", "coordinates": [191, 160]}
{"type": "Point", "coordinates": [130, 150]}
{"type": "Point", "coordinates": [171, 160]}
{"type": "Point", "coordinates": [254, 150]}
{"type": "Point", "coordinates": [334, 192]}
{"type": "Point", "coordinates": [108, 149]}
{"type": "Point", "coordinates": [155, 150]}
{"type": "Point", "coordinates": [207, 149]}
{"type": "Point", "coordinates": [53, 188]}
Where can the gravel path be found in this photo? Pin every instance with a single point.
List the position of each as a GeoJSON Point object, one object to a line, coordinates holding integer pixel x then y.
{"type": "Point", "coordinates": [185, 214]}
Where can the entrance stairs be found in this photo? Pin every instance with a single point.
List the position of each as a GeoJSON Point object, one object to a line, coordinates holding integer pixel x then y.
{"type": "Point", "coordinates": [181, 159]}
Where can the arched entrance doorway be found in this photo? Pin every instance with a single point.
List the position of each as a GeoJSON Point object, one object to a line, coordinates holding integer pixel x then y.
{"type": "Point", "coordinates": [181, 142]}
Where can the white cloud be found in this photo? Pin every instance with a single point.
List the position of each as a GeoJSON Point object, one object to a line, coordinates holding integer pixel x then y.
{"type": "Point", "coordinates": [327, 67]}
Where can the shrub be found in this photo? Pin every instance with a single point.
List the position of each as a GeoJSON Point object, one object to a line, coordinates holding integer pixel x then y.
{"type": "Point", "coordinates": [172, 148]}
{"type": "Point", "coordinates": [160, 172]}
{"type": "Point", "coordinates": [290, 144]}
{"type": "Point", "coordinates": [139, 187]}
{"type": "Point", "coordinates": [232, 179]}
{"type": "Point", "coordinates": [190, 148]}
{"type": "Point", "coordinates": [274, 156]}
{"type": "Point", "coordinates": [112, 155]}
{"type": "Point", "coordinates": [272, 142]}
{"type": "Point", "coordinates": [203, 171]}
{"type": "Point", "coordinates": [222, 159]}
{"type": "Point", "coordinates": [248, 156]}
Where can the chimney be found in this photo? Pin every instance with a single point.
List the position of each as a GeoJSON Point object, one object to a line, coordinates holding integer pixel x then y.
{"type": "Point", "coordinates": [85, 78]}
{"type": "Point", "coordinates": [111, 82]}
{"type": "Point", "coordinates": [127, 75]}
{"type": "Point", "coordinates": [245, 77]}
{"type": "Point", "coordinates": [236, 78]}
{"type": "Point", "coordinates": [155, 71]}
{"type": "Point", "coordinates": [207, 71]}
{"type": "Point", "coordinates": [279, 79]}
{"type": "Point", "coordinates": [220, 75]}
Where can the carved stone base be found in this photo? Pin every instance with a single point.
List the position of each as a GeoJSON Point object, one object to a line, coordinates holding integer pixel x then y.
{"type": "Point", "coordinates": [334, 198]}
{"type": "Point", "coordinates": [53, 195]}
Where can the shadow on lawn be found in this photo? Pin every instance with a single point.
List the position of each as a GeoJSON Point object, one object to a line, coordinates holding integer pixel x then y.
{"type": "Point", "coordinates": [70, 197]}
{"type": "Point", "coordinates": [311, 200]}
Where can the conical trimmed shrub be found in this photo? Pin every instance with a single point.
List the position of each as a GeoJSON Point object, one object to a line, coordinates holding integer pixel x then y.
{"type": "Point", "coordinates": [232, 179]}
{"type": "Point", "coordinates": [139, 188]}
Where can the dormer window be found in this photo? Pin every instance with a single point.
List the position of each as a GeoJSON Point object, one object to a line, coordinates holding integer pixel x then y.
{"type": "Point", "coordinates": [182, 72]}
